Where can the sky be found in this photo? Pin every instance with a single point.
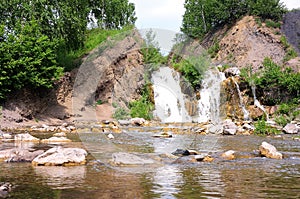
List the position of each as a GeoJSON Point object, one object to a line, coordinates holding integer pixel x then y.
{"type": "Point", "coordinates": [165, 17]}
{"type": "Point", "coordinates": [167, 14]}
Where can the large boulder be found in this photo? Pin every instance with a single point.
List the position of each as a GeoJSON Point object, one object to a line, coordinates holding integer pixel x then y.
{"type": "Point", "coordinates": [291, 129]}
{"type": "Point", "coordinates": [122, 158]}
{"type": "Point", "coordinates": [59, 156]}
{"type": "Point", "coordinates": [19, 155]}
{"type": "Point", "coordinates": [269, 151]}
{"type": "Point", "coordinates": [230, 72]}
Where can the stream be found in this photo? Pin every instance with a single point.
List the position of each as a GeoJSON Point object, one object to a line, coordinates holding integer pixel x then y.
{"type": "Point", "coordinates": [252, 177]}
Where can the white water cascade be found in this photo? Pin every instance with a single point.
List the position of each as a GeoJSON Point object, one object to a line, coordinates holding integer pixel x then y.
{"type": "Point", "coordinates": [209, 104]}
{"type": "Point", "coordinates": [169, 100]}
{"type": "Point", "coordinates": [257, 103]}
{"type": "Point", "coordinates": [242, 105]}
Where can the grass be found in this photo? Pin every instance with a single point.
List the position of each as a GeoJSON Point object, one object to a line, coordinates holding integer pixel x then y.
{"type": "Point", "coordinates": [94, 38]}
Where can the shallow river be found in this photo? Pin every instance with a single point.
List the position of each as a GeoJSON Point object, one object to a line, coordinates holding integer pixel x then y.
{"type": "Point", "coordinates": [241, 178]}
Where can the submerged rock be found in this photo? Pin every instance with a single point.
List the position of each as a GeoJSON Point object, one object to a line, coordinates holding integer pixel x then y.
{"type": "Point", "coordinates": [19, 155]}
{"type": "Point", "coordinates": [56, 139]}
{"type": "Point", "coordinates": [26, 137]}
{"type": "Point", "coordinates": [269, 151]}
{"type": "Point", "coordinates": [121, 158]}
{"type": "Point", "coordinates": [59, 156]}
{"type": "Point", "coordinates": [163, 135]}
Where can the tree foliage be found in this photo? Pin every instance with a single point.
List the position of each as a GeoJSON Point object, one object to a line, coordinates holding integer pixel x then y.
{"type": "Point", "coordinates": [36, 34]}
{"type": "Point", "coordinates": [203, 15]}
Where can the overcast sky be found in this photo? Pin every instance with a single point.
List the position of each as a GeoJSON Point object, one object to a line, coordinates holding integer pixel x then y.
{"type": "Point", "coordinates": [167, 14]}
{"type": "Point", "coordinates": [165, 17]}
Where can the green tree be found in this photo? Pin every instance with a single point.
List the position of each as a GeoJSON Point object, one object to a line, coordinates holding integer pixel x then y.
{"type": "Point", "coordinates": [201, 16]}
{"type": "Point", "coordinates": [27, 58]}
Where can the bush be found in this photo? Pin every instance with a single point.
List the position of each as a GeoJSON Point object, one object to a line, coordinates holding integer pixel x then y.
{"type": "Point", "coordinates": [262, 128]}
{"type": "Point", "coordinates": [27, 59]}
{"type": "Point", "coordinates": [144, 106]}
{"type": "Point", "coordinates": [193, 68]}
{"type": "Point", "coordinates": [120, 114]}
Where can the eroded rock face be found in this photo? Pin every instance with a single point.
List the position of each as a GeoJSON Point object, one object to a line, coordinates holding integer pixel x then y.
{"type": "Point", "coordinates": [269, 151]}
{"type": "Point", "coordinates": [247, 43]}
{"type": "Point", "coordinates": [59, 156]}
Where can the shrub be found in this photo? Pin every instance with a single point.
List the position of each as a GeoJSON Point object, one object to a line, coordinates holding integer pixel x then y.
{"type": "Point", "coordinates": [262, 128]}
{"type": "Point", "coordinates": [120, 114]}
{"type": "Point", "coordinates": [27, 58]}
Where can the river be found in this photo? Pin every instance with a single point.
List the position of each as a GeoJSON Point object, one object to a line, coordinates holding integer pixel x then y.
{"type": "Point", "coordinates": [251, 177]}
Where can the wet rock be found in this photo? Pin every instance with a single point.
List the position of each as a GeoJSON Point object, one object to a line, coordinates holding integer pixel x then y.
{"type": "Point", "coordinates": [59, 156]}
{"type": "Point", "coordinates": [139, 122]}
{"type": "Point", "coordinates": [230, 72]}
{"type": "Point", "coordinates": [124, 122]}
{"type": "Point", "coordinates": [19, 155]}
{"type": "Point", "coordinates": [110, 136]}
{"type": "Point", "coordinates": [200, 157]}
{"type": "Point", "coordinates": [291, 129]}
{"type": "Point", "coordinates": [181, 152]}
{"type": "Point", "coordinates": [163, 135]}
{"type": "Point", "coordinates": [61, 134]}
{"type": "Point", "coordinates": [56, 139]}
{"type": "Point", "coordinates": [228, 155]}
{"type": "Point", "coordinates": [185, 159]}
{"type": "Point", "coordinates": [121, 158]}
{"type": "Point", "coordinates": [5, 188]}
{"type": "Point", "coordinates": [5, 136]}
{"type": "Point", "coordinates": [26, 137]}
{"type": "Point", "coordinates": [269, 151]}
{"type": "Point", "coordinates": [229, 127]}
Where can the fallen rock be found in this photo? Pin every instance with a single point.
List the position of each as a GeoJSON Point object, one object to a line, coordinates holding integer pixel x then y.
{"type": "Point", "coordinates": [26, 137]}
{"type": "Point", "coordinates": [5, 188]}
{"type": "Point", "coordinates": [269, 151]}
{"type": "Point", "coordinates": [110, 136]}
{"type": "Point", "coordinates": [229, 127]}
{"type": "Point", "coordinates": [228, 155]}
{"type": "Point", "coordinates": [181, 152]}
{"type": "Point", "coordinates": [56, 139]}
{"type": "Point", "coordinates": [163, 135]}
{"type": "Point", "coordinates": [201, 156]}
{"type": "Point", "coordinates": [121, 158]}
{"type": "Point", "coordinates": [19, 155]}
{"type": "Point", "coordinates": [139, 122]}
{"type": "Point", "coordinates": [291, 129]}
{"type": "Point", "coordinates": [230, 72]}
{"type": "Point", "coordinates": [59, 156]}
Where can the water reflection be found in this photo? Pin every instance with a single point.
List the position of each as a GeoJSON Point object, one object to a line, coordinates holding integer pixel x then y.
{"type": "Point", "coordinates": [62, 177]}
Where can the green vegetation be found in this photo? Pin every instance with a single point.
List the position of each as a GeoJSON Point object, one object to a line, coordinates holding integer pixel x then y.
{"type": "Point", "coordinates": [39, 39]}
{"type": "Point", "coordinates": [272, 77]}
{"type": "Point", "coordinates": [262, 128]}
{"type": "Point", "coordinates": [202, 16]}
{"type": "Point", "coordinates": [286, 113]}
{"type": "Point", "coordinates": [151, 52]}
{"type": "Point", "coordinates": [120, 114]}
{"type": "Point", "coordinates": [272, 24]}
{"type": "Point", "coordinates": [193, 68]}
{"type": "Point", "coordinates": [144, 106]}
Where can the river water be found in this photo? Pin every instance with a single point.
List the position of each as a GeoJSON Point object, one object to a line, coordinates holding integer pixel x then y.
{"type": "Point", "coordinates": [251, 177]}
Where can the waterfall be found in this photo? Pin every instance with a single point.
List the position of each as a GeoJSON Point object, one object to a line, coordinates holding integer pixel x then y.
{"type": "Point", "coordinates": [209, 103]}
{"type": "Point", "coordinates": [242, 105]}
{"type": "Point", "coordinates": [257, 103]}
{"type": "Point", "coordinates": [169, 99]}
